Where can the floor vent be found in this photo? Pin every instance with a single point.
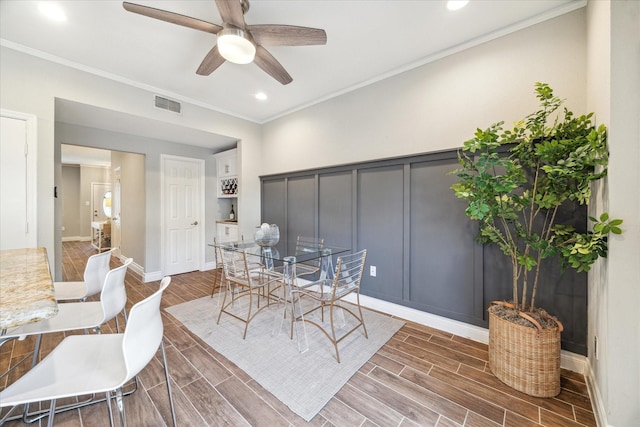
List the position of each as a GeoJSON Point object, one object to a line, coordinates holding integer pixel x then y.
{"type": "Point", "coordinates": [168, 104]}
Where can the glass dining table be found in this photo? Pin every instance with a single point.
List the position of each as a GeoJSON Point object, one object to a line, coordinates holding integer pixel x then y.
{"type": "Point", "coordinates": [283, 262]}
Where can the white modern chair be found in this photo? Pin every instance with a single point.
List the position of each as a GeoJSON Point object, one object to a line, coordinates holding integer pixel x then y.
{"type": "Point", "coordinates": [85, 364]}
{"type": "Point", "coordinates": [86, 314]}
{"type": "Point", "coordinates": [77, 315]}
{"type": "Point", "coordinates": [94, 273]}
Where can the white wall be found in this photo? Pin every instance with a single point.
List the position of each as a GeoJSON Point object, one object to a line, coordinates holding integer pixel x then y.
{"type": "Point", "coordinates": [437, 106]}
{"type": "Point", "coordinates": [613, 88]}
{"type": "Point", "coordinates": [133, 209]}
{"type": "Point", "coordinates": [69, 192]}
{"type": "Point", "coordinates": [31, 85]}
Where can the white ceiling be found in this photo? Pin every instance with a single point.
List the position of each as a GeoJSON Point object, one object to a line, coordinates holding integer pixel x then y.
{"type": "Point", "coordinates": [366, 41]}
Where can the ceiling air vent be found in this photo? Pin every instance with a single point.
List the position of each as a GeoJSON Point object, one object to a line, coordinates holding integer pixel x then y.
{"type": "Point", "coordinates": [168, 104]}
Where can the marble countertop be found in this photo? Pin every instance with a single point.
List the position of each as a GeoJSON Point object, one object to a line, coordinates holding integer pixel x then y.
{"type": "Point", "coordinates": [26, 287]}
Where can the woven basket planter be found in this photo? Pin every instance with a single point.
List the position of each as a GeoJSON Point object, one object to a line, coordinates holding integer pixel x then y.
{"type": "Point", "coordinates": [525, 358]}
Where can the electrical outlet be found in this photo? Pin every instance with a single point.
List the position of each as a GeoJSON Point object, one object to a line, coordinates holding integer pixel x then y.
{"type": "Point", "coordinates": [372, 271]}
{"type": "Point", "coordinates": [63, 228]}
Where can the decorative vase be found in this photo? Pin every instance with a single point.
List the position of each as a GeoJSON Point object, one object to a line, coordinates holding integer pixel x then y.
{"type": "Point", "coordinates": [267, 235]}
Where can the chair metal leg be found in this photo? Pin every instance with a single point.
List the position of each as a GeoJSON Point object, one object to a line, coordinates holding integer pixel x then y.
{"type": "Point", "coordinates": [34, 362]}
{"type": "Point", "coordinates": [52, 413]}
{"type": "Point", "coordinates": [107, 399]}
{"type": "Point", "coordinates": [166, 375]}
{"type": "Point", "coordinates": [366, 335]}
{"type": "Point", "coordinates": [246, 323]}
{"type": "Point", "coordinates": [224, 300]}
{"type": "Point", "coordinates": [120, 406]}
{"type": "Point", "coordinates": [216, 280]}
{"type": "Point", "coordinates": [333, 331]}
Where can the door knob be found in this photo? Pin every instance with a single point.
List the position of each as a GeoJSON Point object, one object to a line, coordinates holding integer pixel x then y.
{"type": "Point", "coordinates": [194, 223]}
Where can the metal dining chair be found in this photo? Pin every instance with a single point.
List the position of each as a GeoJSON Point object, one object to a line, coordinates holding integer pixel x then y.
{"type": "Point", "coordinates": [95, 271]}
{"type": "Point", "coordinates": [328, 295]}
{"type": "Point", "coordinates": [86, 364]}
{"type": "Point", "coordinates": [245, 280]}
{"type": "Point", "coordinates": [304, 244]}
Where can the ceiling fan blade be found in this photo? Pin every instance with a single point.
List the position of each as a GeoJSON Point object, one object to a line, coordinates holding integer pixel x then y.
{"type": "Point", "coordinates": [287, 35]}
{"type": "Point", "coordinates": [271, 66]}
{"type": "Point", "coordinates": [231, 12]}
{"type": "Point", "coordinates": [210, 62]}
{"type": "Point", "coordinates": [174, 18]}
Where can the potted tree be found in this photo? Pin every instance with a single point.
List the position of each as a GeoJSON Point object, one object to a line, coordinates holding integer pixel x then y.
{"type": "Point", "coordinates": [514, 181]}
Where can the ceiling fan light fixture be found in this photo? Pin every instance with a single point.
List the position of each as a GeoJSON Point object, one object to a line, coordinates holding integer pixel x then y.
{"type": "Point", "coordinates": [235, 46]}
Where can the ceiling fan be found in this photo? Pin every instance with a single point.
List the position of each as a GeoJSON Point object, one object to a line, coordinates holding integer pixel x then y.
{"type": "Point", "coordinates": [238, 42]}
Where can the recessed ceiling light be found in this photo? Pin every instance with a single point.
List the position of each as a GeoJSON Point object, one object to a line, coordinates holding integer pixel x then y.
{"type": "Point", "coordinates": [261, 96]}
{"type": "Point", "coordinates": [456, 4]}
{"type": "Point", "coordinates": [52, 11]}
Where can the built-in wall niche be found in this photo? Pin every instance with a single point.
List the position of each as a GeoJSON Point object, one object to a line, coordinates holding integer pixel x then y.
{"type": "Point", "coordinates": [227, 175]}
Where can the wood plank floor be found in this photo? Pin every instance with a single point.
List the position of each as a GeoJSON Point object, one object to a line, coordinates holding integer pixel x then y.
{"type": "Point", "coordinates": [421, 377]}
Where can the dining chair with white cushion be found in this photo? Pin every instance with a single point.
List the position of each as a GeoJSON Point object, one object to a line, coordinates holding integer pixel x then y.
{"type": "Point", "coordinates": [86, 364]}
{"type": "Point", "coordinates": [94, 273]}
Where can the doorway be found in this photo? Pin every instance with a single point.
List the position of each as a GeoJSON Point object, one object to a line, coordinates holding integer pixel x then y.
{"type": "Point", "coordinates": [87, 175]}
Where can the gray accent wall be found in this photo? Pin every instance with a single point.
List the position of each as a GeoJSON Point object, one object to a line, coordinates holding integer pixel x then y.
{"type": "Point", "coordinates": [422, 244]}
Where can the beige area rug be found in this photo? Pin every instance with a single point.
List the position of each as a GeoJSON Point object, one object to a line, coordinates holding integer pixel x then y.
{"type": "Point", "coordinates": [304, 382]}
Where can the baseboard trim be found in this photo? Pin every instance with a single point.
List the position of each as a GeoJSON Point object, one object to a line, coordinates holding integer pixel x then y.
{"type": "Point", "coordinates": [133, 267]}
{"type": "Point", "coordinates": [570, 361]}
{"type": "Point", "coordinates": [157, 275]}
{"type": "Point", "coordinates": [597, 403]}
{"type": "Point", "coordinates": [455, 327]}
{"type": "Point", "coordinates": [152, 276]}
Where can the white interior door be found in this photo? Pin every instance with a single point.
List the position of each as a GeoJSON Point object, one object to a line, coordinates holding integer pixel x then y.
{"type": "Point", "coordinates": [182, 202]}
{"type": "Point", "coordinates": [18, 172]}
